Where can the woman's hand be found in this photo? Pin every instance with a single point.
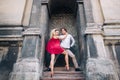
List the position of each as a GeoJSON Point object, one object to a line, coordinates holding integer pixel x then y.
{"type": "Point", "coordinates": [63, 36]}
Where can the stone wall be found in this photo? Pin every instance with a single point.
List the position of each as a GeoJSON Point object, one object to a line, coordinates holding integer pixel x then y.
{"type": "Point", "coordinates": [102, 32]}
{"type": "Point", "coordinates": [8, 56]}
{"type": "Point", "coordinates": [97, 20]}
{"type": "Point", "coordinates": [15, 12]}
{"type": "Point", "coordinates": [111, 10]}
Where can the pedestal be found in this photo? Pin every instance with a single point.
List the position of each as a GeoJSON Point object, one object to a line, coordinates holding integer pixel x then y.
{"type": "Point", "coordinates": [100, 69]}
{"type": "Point", "coordinates": [26, 69]}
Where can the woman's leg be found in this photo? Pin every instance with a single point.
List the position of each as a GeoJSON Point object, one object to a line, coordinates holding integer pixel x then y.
{"type": "Point", "coordinates": [52, 63]}
{"type": "Point", "coordinates": [66, 60]}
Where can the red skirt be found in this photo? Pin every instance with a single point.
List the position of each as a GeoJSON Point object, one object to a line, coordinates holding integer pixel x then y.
{"type": "Point", "coordinates": [53, 46]}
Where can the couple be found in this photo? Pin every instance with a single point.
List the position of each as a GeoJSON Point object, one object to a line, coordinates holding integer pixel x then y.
{"type": "Point", "coordinates": [55, 47]}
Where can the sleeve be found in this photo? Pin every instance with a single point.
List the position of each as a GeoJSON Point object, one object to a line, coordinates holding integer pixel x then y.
{"type": "Point", "coordinates": [61, 36]}
{"type": "Point", "coordinates": [72, 41]}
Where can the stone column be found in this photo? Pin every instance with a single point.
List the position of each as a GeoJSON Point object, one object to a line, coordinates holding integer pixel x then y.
{"type": "Point", "coordinates": [81, 26]}
{"type": "Point", "coordinates": [98, 40]}
{"type": "Point", "coordinates": [97, 12]}
{"type": "Point", "coordinates": [43, 29]}
{"type": "Point", "coordinates": [44, 18]}
{"type": "Point", "coordinates": [98, 65]}
{"type": "Point", "coordinates": [30, 63]}
{"type": "Point", "coordinates": [88, 11]}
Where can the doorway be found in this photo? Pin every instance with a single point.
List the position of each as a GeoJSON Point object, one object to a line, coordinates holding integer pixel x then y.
{"type": "Point", "coordinates": [63, 15]}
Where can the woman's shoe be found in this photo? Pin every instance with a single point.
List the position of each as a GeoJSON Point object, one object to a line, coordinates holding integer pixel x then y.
{"type": "Point", "coordinates": [67, 67]}
{"type": "Point", "coordinates": [78, 69]}
{"type": "Point", "coordinates": [48, 69]}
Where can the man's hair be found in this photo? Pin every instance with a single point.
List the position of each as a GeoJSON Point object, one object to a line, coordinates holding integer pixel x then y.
{"type": "Point", "coordinates": [64, 29]}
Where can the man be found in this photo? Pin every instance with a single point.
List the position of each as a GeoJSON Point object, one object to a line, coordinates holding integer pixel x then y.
{"type": "Point", "coordinates": [67, 43]}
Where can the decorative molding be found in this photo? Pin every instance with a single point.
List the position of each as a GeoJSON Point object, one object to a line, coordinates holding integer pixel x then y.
{"type": "Point", "coordinates": [32, 31]}
{"type": "Point", "coordinates": [111, 42]}
{"type": "Point", "coordinates": [11, 38]}
{"type": "Point", "coordinates": [111, 30]}
{"type": "Point", "coordinates": [93, 28]}
{"type": "Point", "coordinates": [10, 33]}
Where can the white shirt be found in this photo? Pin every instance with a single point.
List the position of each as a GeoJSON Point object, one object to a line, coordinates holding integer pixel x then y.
{"type": "Point", "coordinates": [67, 42]}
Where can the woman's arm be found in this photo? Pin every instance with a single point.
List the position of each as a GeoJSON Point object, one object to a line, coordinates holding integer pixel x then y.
{"type": "Point", "coordinates": [62, 37]}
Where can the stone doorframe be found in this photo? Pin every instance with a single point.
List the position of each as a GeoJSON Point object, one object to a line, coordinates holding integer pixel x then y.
{"type": "Point", "coordinates": [30, 65]}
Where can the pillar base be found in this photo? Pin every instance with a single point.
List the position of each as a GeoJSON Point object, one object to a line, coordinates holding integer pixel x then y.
{"type": "Point", "coordinates": [100, 69]}
{"type": "Point", "coordinates": [26, 69]}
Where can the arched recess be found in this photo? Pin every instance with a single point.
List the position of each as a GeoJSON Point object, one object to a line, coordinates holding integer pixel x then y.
{"type": "Point", "coordinates": [64, 13]}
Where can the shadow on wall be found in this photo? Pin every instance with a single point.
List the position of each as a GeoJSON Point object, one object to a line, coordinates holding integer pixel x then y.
{"type": "Point", "coordinates": [8, 56]}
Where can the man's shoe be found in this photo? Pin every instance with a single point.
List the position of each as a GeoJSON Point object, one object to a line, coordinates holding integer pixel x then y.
{"type": "Point", "coordinates": [78, 69]}
{"type": "Point", "coordinates": [48, 69]}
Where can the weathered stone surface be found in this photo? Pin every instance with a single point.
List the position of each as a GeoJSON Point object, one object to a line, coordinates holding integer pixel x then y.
{"type": "Point", "coordinates": [32, 31]}
{"type": "Point", "coordinates": [8, 59]}
{"type": "Point", "coordinates": [111, 10]}
{"type": "Point", "coordinates": [3, 53]}
{"type": "Point", "coordinates": [27, 12]}
{"type": "Point", "coordinates": [100, 69]}
{"type": "Point", "coordinates": [35, 14]}
{"type": "Point", "coordinates": [93, 29]}
{"type": "Point", "coordinates": [11, 12]}
{"type": "Point", "coordinates": [88, 11]}
{"type": "Point", "coordinates": [97, 12]}
{"type": "Point", "coordinates": [44, 19]}
{"type": "Point", "coordinates": [92, 50]}
{"type": "Point", "coordinates": [27, 65]}
{"type": "Point", "coordinates": [25, 76]}
{"type": "Point", "coordinates": [113, 50]}
{"type": "Point", "coordinates": [11, 32]}
{"type": "Point", "coordinates": [81, 26]}
{"type": "Point", "coordinates": [117, 49]}
{"type": "Point", "coordinates": [30, 46]}
{"type": "Point", "coordinates": [112, 30]}
{"type": "Point", "coordinates": [99, 43]}
{"type": "Point", "coordinates": [26, 69]}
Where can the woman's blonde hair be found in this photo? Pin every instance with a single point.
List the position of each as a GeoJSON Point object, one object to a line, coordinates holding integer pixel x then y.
{"type": "Point", "coordinates": [52, 33]}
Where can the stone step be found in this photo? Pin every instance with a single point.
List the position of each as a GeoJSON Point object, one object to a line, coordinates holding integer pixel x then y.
{"type": "Point", "coordinates": [64, 78]}
{"type": "Point", "coordinates": [64, 73]}
{"type": "Point", "coordinates": [62, 69]}
{"type": "Point", "coordinates": [61, 74]}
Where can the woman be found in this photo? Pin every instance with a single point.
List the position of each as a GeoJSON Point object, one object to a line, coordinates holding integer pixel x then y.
{"type": "Point", "coordinates": [53, 47]}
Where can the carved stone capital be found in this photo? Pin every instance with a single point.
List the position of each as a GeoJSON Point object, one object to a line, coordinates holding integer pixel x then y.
{"type": "Point", "coordinates": [32, 31]}
{"type": "Point", "coordinates": [93, 28]}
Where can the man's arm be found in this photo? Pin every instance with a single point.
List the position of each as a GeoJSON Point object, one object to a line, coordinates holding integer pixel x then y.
{"type": "Point", "coordinates": [73, 41]}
